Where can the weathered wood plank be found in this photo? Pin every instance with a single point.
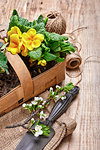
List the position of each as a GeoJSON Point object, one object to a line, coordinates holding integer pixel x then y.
{"type": "Point", "coordinates": [86, 108]}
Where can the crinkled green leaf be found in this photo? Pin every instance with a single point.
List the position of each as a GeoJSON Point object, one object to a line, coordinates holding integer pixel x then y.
{"type": "Point", "coordinates": [40, 28]}
{"type": "Point", "coordinates": [55, 37]}
{"type": "Point", "coordinates": [49, 56]}
{"type": "Point", "coordinates": [35, 54]}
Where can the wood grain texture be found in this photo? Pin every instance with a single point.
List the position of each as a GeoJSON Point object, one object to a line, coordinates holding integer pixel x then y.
{"type": "Point", "coordinates": [86, 108]}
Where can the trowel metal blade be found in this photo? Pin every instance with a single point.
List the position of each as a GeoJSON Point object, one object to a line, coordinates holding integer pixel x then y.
{"type": "Point", "coordinates": [30, 142]}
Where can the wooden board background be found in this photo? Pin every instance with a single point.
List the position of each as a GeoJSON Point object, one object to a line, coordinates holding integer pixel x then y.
{"type": "Point", "coordinates": [86, 108]}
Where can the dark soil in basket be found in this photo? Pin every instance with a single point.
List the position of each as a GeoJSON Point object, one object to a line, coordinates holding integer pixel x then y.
{"type": "Point", "coordinates": [8, 82]}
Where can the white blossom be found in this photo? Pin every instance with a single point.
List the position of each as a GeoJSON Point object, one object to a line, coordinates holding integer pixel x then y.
{"type": "Point", "coordinates": [24, 105]}
{"type": "Point", "coordinates": [51, 89]}
{"type": "Point", "coordinates": [43, 102]}
{"type": "Point", "coordinates": [57, 86]}
{"type": "Point", "coordinates": [42, 115]}
{"type": "Point", "coordinates": [56, 96]}
{"type": "Point", "coordinates": [38, 130]}
{"type": "Point", "coordinates": [52, 93]}
{"type": "Point", "coordinates": [30, 105]}
{"type": "Point", "coordinates": [32, 119]}
{"type": "Point", "coordinates": [36, 98]}
{"type": "Point", "coordinates": [63, 97]}
{"type": "Point", "coordinates": [40, 106]}
{"type": "Point", "coordinates": [34, 102]}
{"type": "Point", "coordinates": [40, 98]}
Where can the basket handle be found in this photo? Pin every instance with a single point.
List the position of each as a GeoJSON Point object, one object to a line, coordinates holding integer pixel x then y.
{"type": "Point", "coordinates": [22, 73]}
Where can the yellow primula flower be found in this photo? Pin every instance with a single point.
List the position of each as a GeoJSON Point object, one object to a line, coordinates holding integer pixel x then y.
{"type": "Point", "coordinates": [15, 44]}
{"type": "Point", "coordinates": [42, 62]}
{"type": "Point", "coordinates": [14, 30]}
{"type": "Point", "coordinates": [31, 39]}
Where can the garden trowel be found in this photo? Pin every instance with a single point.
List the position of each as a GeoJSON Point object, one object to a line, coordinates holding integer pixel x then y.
{"type": "Point", "coordinates": [30, 142]}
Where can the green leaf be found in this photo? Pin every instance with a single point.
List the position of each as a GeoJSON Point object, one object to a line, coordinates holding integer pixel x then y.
{"type": "Point", "coordinates": [34, 22]}
{"type": "Point", "coordinates": [55, 37]}
{"type": "Point", "coordinates": [59, 59]}
{"type": "Point", "coordinates": [3, 59]}
{"type": "Point", "coordinates": [46, 20]}
{"type": "Point", "coordinates": [35, 54]}
{"type": "Point", "coordinates": [49, 56]}
{"type": "Point", "coordinates": [47, 49]}
{"type": "Point", "coordinates": [67, 46]}
{"type": "Point", "coordinates": [58, 49]}
{"type": "Point", "coordinates": [15, 12]}
{"type": "Point", "coordinates": [68, 87]}
{"type": "Point", "coordinates": [40, 19]}
{"type": "Point", "coordinates": [54, 45]}
{"type": "Point", "coordinates": [40, 28]}
{"type": "Point", "coordinates": [3, 62]}
{"type": "Point", "coordinates": [13, 21]}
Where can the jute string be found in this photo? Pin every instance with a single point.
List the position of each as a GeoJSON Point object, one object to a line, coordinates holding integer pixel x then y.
{"type": "Point", "coordinates": [87, 60]}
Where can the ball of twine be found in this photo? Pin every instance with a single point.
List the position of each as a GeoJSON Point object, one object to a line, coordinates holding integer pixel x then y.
{"type": "Point", "coordinates": [56, 23]}
{"type": "Point", "coordinates": [73, 61]}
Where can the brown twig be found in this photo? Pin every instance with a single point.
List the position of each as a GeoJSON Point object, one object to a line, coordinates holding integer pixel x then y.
{"type": "Point", "coordinates": [28, 119]}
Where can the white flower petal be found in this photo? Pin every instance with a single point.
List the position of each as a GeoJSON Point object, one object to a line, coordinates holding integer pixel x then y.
{"type": "Point", "coordinates": [52, 93]}
{"type": "Point", "coordinates": [32, 119]}
{"type": "Point", "coordinates": [24, 105]}
{"type": "Point", "coordinates": [37, 128]}
{"type": "Point", "coordinates": [57, 86]}
{"type": "Point", "coordinates": [36, 134]}
{"type": "Point", "coordinates": [40, 106]}
{"type": "Point", "coordinates": [34, 102]}
{"type": "Point", "coordinates": [30, 105]}
{"type": "Point", "coordinates": [63, 97]}
{"type": "Point", "coordinates": [41, 99]}
{"type": "Point", "coordinates": [43, 102]}
{"type": "Point", "coordinates": [40, 132]}
{"type": "Point", "coordinates": [51, 89]}
{"type": "Point", "coordinates": [36, 98]}
{"type": "Point", "coordinates": [41, 113]}
{"type": "Point", "coordinates": [57, 96]}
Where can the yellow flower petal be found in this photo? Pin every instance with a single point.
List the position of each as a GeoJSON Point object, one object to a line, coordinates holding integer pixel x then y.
{"type": "Point", "coordinates": [15, 44]}
{"type": "Point", "coordinates": [42, 62]}
{"type": "Point", "coordinates": [39, 37]}
{"type": "Point", "coordinates": [29, 45]}
{"type": "Point", "coordinates": [14, 38]}
{"type": "Point", "coordinates": [31, 33]}
{"type": "Point", "coordinates": [36, 43]}
{"type": "Point", "coordinates": [12, 50]}
{"type": "Point", "coordinates": [6, 40]}
{"type": "Point", "coordinates": [24, 50]}
{"type": "Point", "coordinates": [25, 37]}
{"type": "Point", "coordinates": [14, 30]}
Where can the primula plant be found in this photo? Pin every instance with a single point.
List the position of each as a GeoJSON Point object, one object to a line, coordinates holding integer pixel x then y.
{"type": "Point", "coordinates": [32, 41]}
{"type": "Point", "coordinates": [37, 109]}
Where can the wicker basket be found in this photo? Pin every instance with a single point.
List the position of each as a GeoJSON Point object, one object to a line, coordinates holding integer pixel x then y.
{"type": "Point", "coordinates": [29, 87]}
